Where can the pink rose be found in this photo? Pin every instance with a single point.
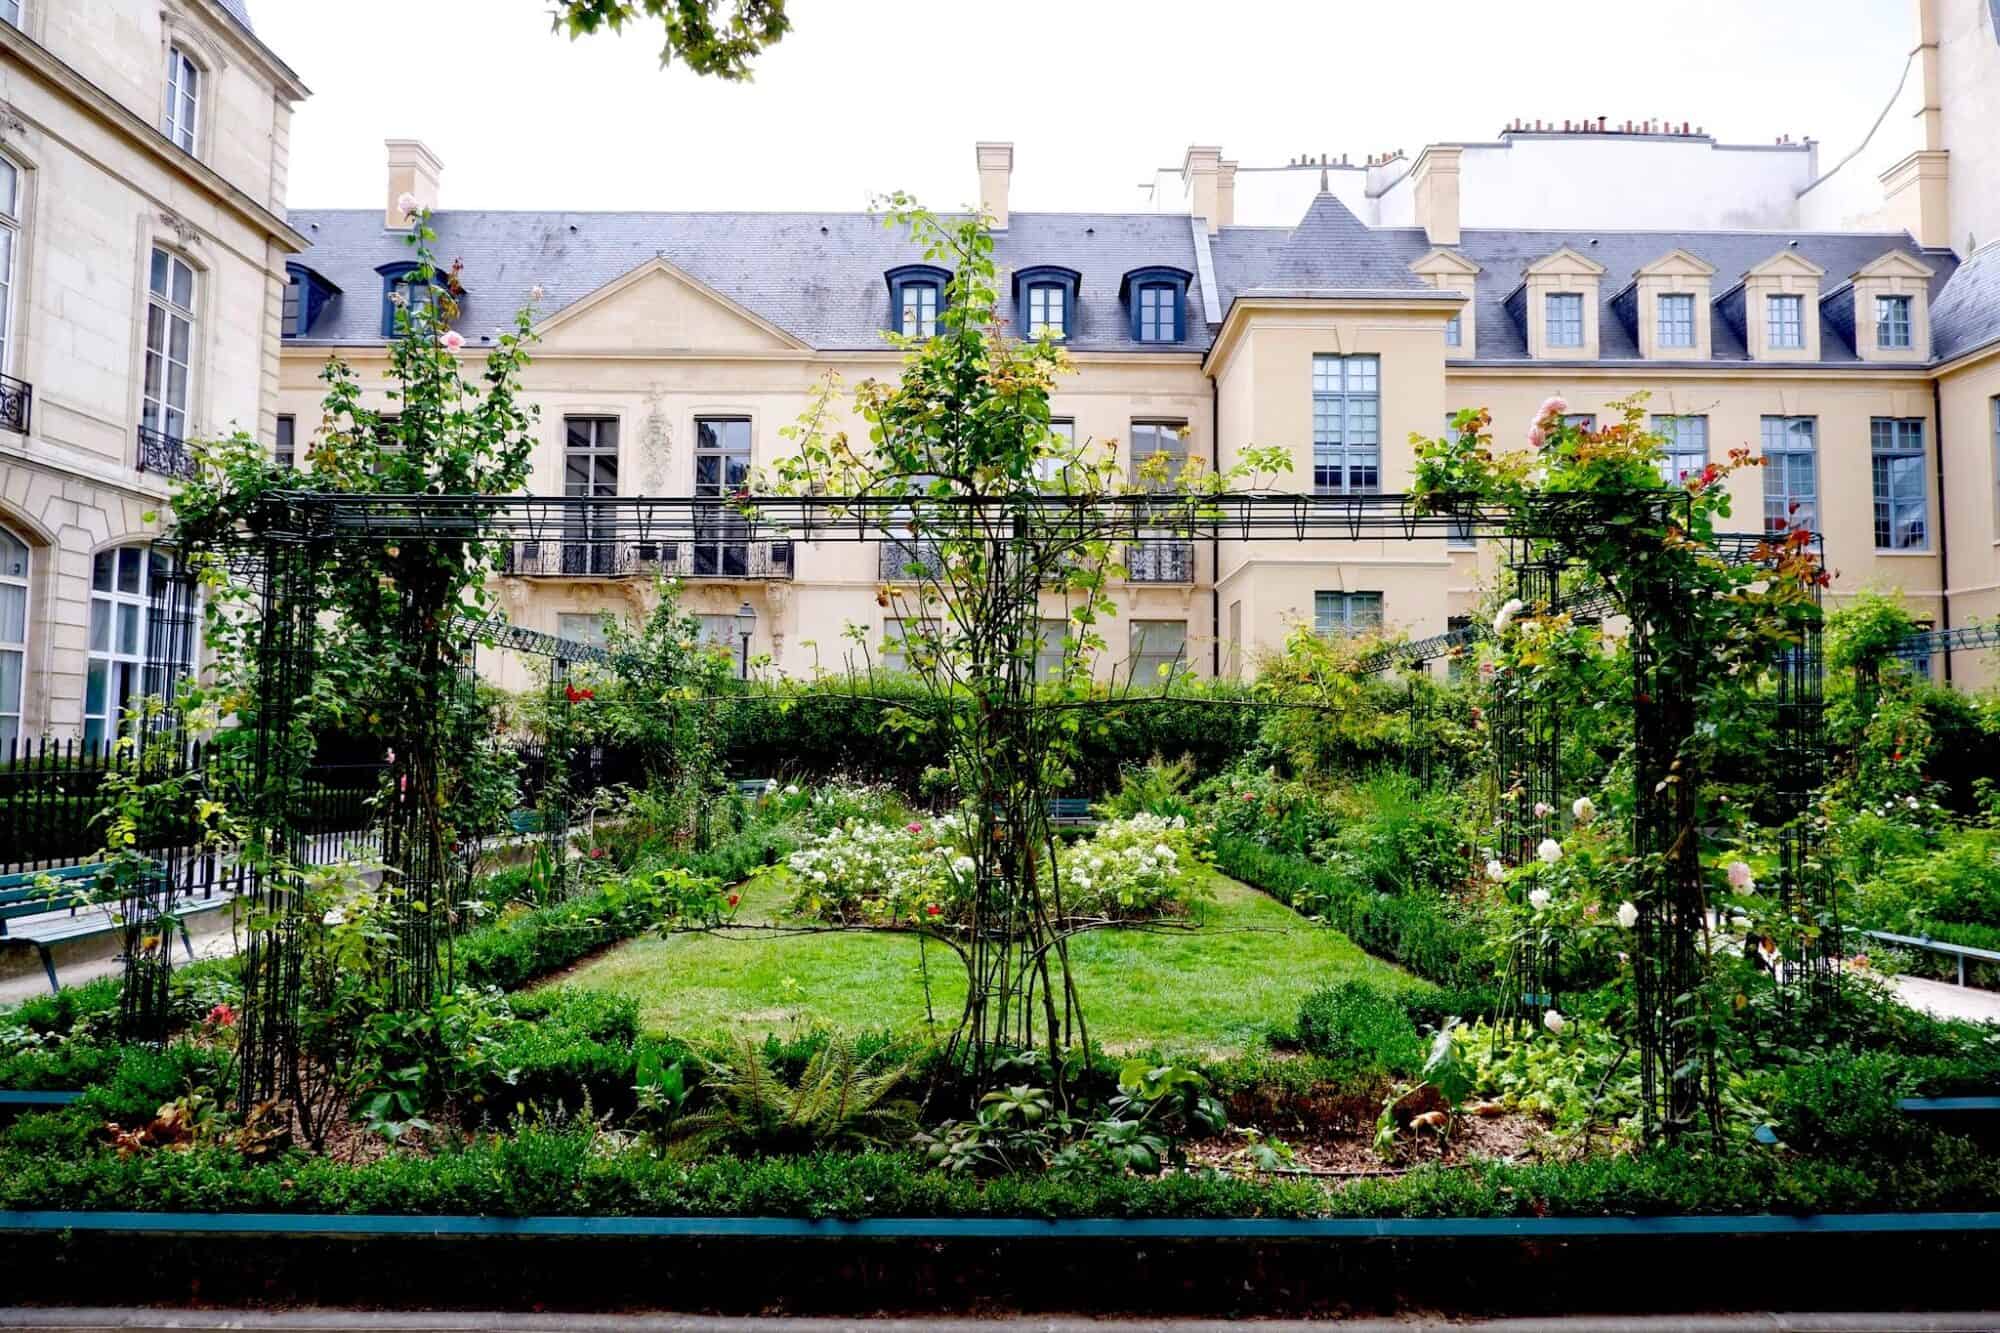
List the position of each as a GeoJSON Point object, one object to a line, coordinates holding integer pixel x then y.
{"type": "Point", "coordinates": [452, 340]}
{"type": "Point", "coordinates": [1552, 406]}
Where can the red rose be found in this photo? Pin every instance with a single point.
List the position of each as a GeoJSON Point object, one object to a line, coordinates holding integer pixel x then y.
{"type": "Point", "coordinates": [597, 853]}
{"type": "Point", "coordinates": [933, 910]}
{"type": "Point", "coordinates": [734, 899]}
{"type": "Point", "coordinates": [222, 1015]}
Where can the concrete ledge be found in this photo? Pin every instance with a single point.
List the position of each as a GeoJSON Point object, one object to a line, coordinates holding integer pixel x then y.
{"type": "Point", "coordinates": [1095, 1266]}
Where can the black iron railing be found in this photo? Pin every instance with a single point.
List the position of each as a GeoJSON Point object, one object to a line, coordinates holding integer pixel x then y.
{"type": "Point", "coordinates": [17, 399]}
{"type": "Point", "coordinates": [164, 454]}
{"type": "Point", "coordinates": [678, 559]}
{"type": "Point", "coordinates": [911, 562]}
{"type": "Point", "coordinates": [1160, 562]}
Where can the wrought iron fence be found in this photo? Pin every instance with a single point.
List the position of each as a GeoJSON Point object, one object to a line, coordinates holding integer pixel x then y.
{"type": "Point", "coordinates": [53, 807]}
{"type": "Point", "coordinates": [17, 400]}
{"type": "Point", "coordinates": [697, 559]}
{"type": "Point", "coordinates": [164, 454]}
{"type": "Point", "coordinates": [911, 562]}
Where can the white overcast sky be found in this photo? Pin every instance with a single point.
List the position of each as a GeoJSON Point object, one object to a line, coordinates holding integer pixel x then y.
{"type": "Point", "coordinates": [866, 96]}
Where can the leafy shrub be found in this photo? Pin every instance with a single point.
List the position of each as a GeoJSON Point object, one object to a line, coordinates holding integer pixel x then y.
{"type": "Point", "coordinates": [145, 1078]}
{"type": "Point", "coordinates": [1362, 1026]}
{"type": "Point", "coordinates": [839, 1099]}
{"type": "Point", "coordinates": [1840, 1104]}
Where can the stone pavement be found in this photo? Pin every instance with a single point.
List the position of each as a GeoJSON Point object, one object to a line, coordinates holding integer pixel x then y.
{"type": "Point", "coordinates": [1944, 999]}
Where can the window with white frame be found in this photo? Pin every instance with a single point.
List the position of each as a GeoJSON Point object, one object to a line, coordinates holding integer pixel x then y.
{"type": "Point", "coordinates": [10, 242]}
{"type": "Point", "coordinates": [1346, 613]}
{"type": "Point", "coordinates": [587, 627]}
{"type": "Point", "coordinates": [1159, 650]}
{"type": "Point", "coordinates": [590, 471]}
{"type": "Point", "coordinates": [1892, 321]}
{"type": "Point", "coordinates": [1675, 315]}
{"type": "Point", "coordinates": [10, 13]}
{"type": "Point", "coordinates": [121, 581]}
{"type": "Point", "coordinates": [285, 451]}
{"type": "Point", "coordinates": [14, 567]}
{"type": "Point", "coordinates": [721, 470]}
{"type": "Point", "coordinates": [1584, 421]}
{"type": "Point", "coordinates": [1791, 473]}
{"type": "Point", "coordinates": [183, 98]}
{"type": "Point", "coordinates": [1785, 320]}
{"type": "Point", "coordinates": [170, 316]}
{"type": "Point", "coordinates": [1685, 453]}
{"type": "Point", "coordinates": [1896, 454]}
{"type": "Point", "coordinates": [1454, 331]}
{"type": "Point", "coordinates": [1347, 425]}
{"type": "Point", "coordinates": [1562, 319]}
{"type": "Point", "coordinates": [907, 641]}
{"type": "Point", "coordinates": [1049, 637]}
{"type": "Point", "coordinates": [718, 630]}
{"type": "Point", "coordinates": [920, 309]}
{"type": "Point", "coordinates": [1045, 310]}
{"type": "Point", "coordinates": [1159, 453]}
{"type": "Point", "coordinates": [1062, 443]}
{"type": "Point", "coordinates": [1159, 318]}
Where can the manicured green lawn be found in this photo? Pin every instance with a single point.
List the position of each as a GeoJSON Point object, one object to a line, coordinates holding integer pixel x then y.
{"type": "Point", "coordinates": [1215, 989]}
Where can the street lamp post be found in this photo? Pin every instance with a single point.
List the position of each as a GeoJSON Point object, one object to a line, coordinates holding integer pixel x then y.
{"type": "Point", "coordinates": [746, 625]}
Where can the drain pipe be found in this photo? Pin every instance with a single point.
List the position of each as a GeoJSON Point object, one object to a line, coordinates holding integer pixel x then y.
{"type": "Point", "coordinates": [1943, 530]}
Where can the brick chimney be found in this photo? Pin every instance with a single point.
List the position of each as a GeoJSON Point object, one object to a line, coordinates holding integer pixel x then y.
{"type": "Point", "coordinates": [1435, 180]}
{"type": "Point", "coordinates": [413, 170]}
{"type": "Point", "coordinates": [996, 171]}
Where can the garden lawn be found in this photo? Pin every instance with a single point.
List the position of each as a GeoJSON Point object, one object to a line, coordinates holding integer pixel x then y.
{"type": "Point", "coordinates": [1213, 990]}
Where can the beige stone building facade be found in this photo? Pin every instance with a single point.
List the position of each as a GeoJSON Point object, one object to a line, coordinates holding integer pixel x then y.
{"type": "Point", "coordinates": [142, 245]}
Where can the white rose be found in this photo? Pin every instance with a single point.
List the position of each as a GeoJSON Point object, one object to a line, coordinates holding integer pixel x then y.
{"type": "Point", "coordinates": [1554, 1022]}
{"type": "Point", "coordinates": [406, 203]}
{"type": "Point", "coordinates": [1539, 899]}
{"type": "Point", "coordinates": [1628, 915]}
{"type": "Point", "coordinates": [1583, 810]}
{"type": "Point", "coordinates": [1495, 871]}
{"type": "Point", "coordinates": [1550, 851]}
{"type": "Point", "coordinates": [1740, 877]}
{"type": "Point", "coordinates": [1513, 608]}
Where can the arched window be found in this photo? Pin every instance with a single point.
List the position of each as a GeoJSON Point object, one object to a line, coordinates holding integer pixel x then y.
{"type": "Point", "coordinates": [14, 558]}
{"type": "Point", "coordinates": [183, 99]}
{"type": "Point", "coordinates": [403, 280]}
{"type": "Point", "coordinates": [1045, 301]}
{"type": "Point", "coordinates": [916, 298]}
{"type": "Point", "coordinates": [121, 580]}
{"type": "Point", "coordinates": [1156, 299]}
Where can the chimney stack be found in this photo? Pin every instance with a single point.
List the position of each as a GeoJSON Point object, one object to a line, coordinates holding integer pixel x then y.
{"type": "Point", "coordinates": [413, 170]}
{"type": "Point", "coordinates": [996, 172]}
{"type": "Point", "coordinates": [1211, 185]}
{"type": "Point", "coordinates": [1435, 180]}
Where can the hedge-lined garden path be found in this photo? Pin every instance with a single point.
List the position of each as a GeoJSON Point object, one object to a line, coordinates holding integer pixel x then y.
{"type": "Point", "coordinates": [1213, 990]}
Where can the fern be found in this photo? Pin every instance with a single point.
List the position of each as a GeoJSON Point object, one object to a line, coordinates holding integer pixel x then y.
{"type": "Point", "coordinates": [837, 1102]}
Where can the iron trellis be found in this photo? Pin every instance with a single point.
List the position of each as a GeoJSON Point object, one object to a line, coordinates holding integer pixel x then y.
{"type": "Point", "coordinates": [296, 529]}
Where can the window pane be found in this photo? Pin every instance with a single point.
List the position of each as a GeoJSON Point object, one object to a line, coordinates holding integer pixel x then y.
{"type": "Point", "coordinates": [128, 568]}
{"type": "Point", "coordinates": [13, 613]}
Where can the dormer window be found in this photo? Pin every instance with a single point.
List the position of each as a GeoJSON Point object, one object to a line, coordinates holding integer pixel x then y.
{"type": "Point", "coordinates": [1892, 322]}
{"type": "Point", "coordinates": [306, 293]}
{"type": "Point", "coordinates": [403, 285]}
{"type": "Point", "coordinates": [1157, 301]}
{"type": "Point", "coordinates": [916, 299]}
{"type": "Point", "coordinates": [1045, 302]}
{"type": "Point", "coordinates": [1676, 316]}
{"type": "Point", "coordinates": [1558, 301]}
{"type": "Point", "coordinates": [1785, 318]}
{"type": "Point", "coordinates": [1565, 319]}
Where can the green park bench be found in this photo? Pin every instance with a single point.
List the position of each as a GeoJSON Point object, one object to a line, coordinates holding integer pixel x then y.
{"type": "Point", "coordinates": [67, 912]}
{"type": "Point", "coordinates": [1070, 812]}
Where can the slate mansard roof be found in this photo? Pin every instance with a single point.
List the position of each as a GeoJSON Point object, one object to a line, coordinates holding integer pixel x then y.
{"type": "Point", "coordinates": [820, 276]}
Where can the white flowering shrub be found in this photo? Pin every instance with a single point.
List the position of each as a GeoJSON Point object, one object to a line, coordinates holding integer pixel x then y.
{"type": "Point", "coordinates": [918, 872]}
{"type": "Point", "coordinates": [1139, 866]}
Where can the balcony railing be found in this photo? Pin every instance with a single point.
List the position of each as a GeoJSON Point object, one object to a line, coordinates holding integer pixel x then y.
{"type": "Point", "coordinates": [162, 453]}
{"type": "Point", "coordinates": [623, 559]}
{"type": "Point", "coordinates": [911, 562]}
{"type": "Point", "coordinates": [1160, 562]}
{"type": "Point", "coordinates": [17, 397]}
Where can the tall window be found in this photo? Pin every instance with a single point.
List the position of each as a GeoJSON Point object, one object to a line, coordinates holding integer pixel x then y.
{"type": "Point", "coordinates": [1346, 613]}
{"type": "Point", "coordinates": [1785, 320]}
{"type": "Point", "coordinates": [1896, 446]}
{"type": "Point", "coordinates": [1045, 310]}
{"type": "Point", "coordinates": [1996, 455]}
{"type": "Point", "coordinates": [1454, 331]}
{"type": "Point", "coordinates": [1162, 440]}
{"type": "Point", "coordinates": [120, 581]}
{"type": "Point", "coordinates": [1159, 649]}
{"type": "Point", "coordinates": [183, 98]}
{"type": "Point", "coordinates": [13, 636]}
{"type": "Point", "coordinates": [285, 452]}
{"type": "Point", "coordinates": [1159, 320]}
{"type": "Point", "coordinates": [1791, 473]}
{"type": "Point", "coordinates": [1676, 320]}
{"type": "Point", "coordinates": [1892, 321]}
{"type": "Point", "coordinates": [920, 309]}
{"type": "Point", "coordinates": [169, 345]}
{"type": "Point", "coordinates": [590, 471]}
{"type": "Point", "coordinates": [1062, 439]}
{"type": "Point", "coordinates": [10, 241]}
{"type": "Point", "coordinates": [586, 627]}
{"type": "Point", "coordinates": [1562, 319]}
{"type": "Point", "coordinates": [10, 12]}
{"type": "Point", "coordinates": [1686, 452]}
{"type": "Point", "coordinates": [721, 468]}
{"type": "Point", "coordinates": [1049, 637]}
{"type": "Point", "coordinates": [1347, 425]}
{"type": "Point", "coordinates": [1464, 534]}
{"type": "Point", "coordinates": [1454, 664]}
